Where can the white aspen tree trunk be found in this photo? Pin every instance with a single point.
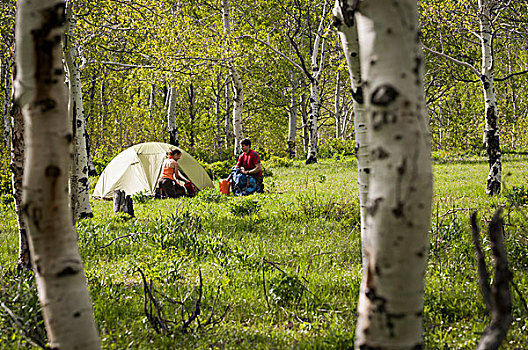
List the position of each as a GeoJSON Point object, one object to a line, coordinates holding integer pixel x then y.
{"type": "Point", "coordinates": [304, 116]}
{"type": "Point", "coordinates": [218, 113]}
{"type": "Point", "coordinates": [315, 103]}
{"type": "Point", "coordinates": [152, 100]}
{"type": "Point", "coordinates": [292, 118]}
{"type": "Point", "coordinates": [337, 106]}
{"type": "Point", "coordinates": [344, 21]}
{"type": "Point", "coordinates": [238, 88]}
{"type": "Point", "coordinates": [228, 123]}
{"type": "Point", "coordinates": [171, 117]}
{"type": "Point", "coordinates": [79, 179]}
{"type": "Point", "coordinates": [17, 174]}
{"type": "Point", "coordinates": [192, 115]}
{"type": "Point", "coordinates": [238, 105]}
{"type": "Point", "coordinates": [41, 94]}
{"type": "Point", "coordinates": [490, 100]}
{"type": "Point", "coordinates": [400, 182]}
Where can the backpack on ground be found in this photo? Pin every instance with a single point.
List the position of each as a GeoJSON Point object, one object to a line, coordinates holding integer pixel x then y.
{"type": "Point", "coordinates": [242, 184]}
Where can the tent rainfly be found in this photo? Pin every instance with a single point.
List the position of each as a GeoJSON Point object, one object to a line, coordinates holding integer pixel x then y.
{"type": "Point", "coordinates": [138, 168]}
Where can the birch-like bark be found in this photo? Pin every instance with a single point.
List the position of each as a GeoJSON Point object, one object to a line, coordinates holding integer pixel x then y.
{"type": "Point", "coordinates": [400, 184]}
{"type": "Point", "coordinates": [192, 115]}
{"type": "Point", "coordinates": [343, 19]}
{"type": "Point", "coordinates": [238, 88]}
{"type": "Point", "coordinates": [41, 94]}
{"type": "Point", "coordinates": [152, 101]}
{"type": "Point", "coordinates": [304, 116]}
{"type": "Point", "coordinates": [79, 179]}
{"type": "Point", "coordinates": [490, 101]}
{"type": "Point", "coordinates": [238, 105]}
{"type": "Point", "coordinates": [228, 123]}
{"type": "Point", "coordinates": [292, 117]}
{"type": "Point", "coordinates": [337, 106]}
{"type": "Point", "coordinates": [218, 113]}
{"type": "Point", "coordinates": [171, 117]}
{"type": "Point", "coordinates": [315, 103]}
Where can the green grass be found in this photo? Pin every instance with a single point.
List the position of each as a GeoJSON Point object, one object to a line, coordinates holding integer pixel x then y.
{"type": "Point", "coordinates": [288, 272]}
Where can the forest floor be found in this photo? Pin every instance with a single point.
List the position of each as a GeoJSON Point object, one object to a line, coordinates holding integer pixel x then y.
{"type": "Point", "coordinates": [275, 270]}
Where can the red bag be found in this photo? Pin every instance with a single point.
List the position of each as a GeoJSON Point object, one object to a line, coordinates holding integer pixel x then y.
{"type": "Point", "coordinates": [189, 188]}
{"type": "Point", "coordinates": [224, 186]}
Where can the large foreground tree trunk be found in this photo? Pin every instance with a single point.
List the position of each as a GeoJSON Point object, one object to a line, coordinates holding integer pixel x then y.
{"type": "Point", "coordinates": [41, 93]}
{"type": "Point", "coordinates": [400, 185]}
{"type": "Point", "coordinates": [79, 180]}
{"type": "Point", "coordinates": [347, 28]}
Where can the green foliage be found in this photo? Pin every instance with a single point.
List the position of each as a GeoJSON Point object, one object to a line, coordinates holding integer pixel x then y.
{"type": "Point", "coordinates": [23, 323]}
{"type": "Point", "coordinates": [141, 197]}
{"type": "Point", "coordinates": [219, 170]}
{"type": "Point", "coordinates": [517, 195]}
{"type": "Point", "coordinates": [5, 175]}
{"type": "Point", "coordinates": [285, 290]}
{"type": "Point", "coordinates": [245, 205]}
{"type": "Point", "coordinates": [335, 147]}
{"type": "Point", "coordinates": [275, 162]}
{"type": "Point", "coordinates": [211, 195]}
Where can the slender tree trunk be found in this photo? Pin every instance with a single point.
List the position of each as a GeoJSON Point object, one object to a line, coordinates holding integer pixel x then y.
{"type": "Point", "coordinates": [490, 100]}
{"type": "Point", "coordinates": [400, 183]}
{"type": "Point", "coordinates": [337, 106]}
{"type": "Point", "coordinates": [238, 106]}
{"type": "Point", "coordinates": [218, 113]}
{"type": "Point", "coordinates": [79, 179]}
{"type": "Point", "coordinates": [41, 94]}
{"type": "Point", "coordinates": [228, 122]}
{"type": "Point", "coordinates": [315, 104]}
{"type": "Point", "coordinates": [152, 101]}
{"type": "Point", "coordinates": [192, 114]}
{"type": "Point", "coordinates": [238, 88]}
{"type": "Point", "coordinates": [304, 116]}
{"type": "Point", "coordinates": [171, 117]}
{"type": "Point", "coordinates": [292, 118]}
{"type": "Point", "coordinates": [348, 33]}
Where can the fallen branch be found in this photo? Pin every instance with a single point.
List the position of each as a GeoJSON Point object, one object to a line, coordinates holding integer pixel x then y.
{"type": "Point", "coordinates": [118, 238]}
{"type": "Point", "coordinates": [496, 297]}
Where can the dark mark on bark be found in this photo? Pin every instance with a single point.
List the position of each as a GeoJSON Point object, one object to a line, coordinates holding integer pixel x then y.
{"type": "Point", "coordinates": [383, 95]}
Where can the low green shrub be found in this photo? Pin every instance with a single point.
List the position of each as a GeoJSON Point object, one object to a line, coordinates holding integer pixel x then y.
{"type": "Point", "coordinates": [331, 147]}
{"type": "Point", "coordinates": [219, 170]}
{"type": "Point", "coordinates": [275, 162]}
{"type": "Point", "coordinates": [24, 323]}
{"type": "Point", "coordinates": [244, 206]}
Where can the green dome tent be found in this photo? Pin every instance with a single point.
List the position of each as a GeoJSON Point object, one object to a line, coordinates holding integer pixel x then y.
{"type": "Point", "coordinates": [138, 168]}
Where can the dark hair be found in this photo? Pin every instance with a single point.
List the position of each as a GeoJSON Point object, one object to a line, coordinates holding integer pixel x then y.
{"type": "Point", "coordinates": [245, 142]}
{"type": "Point", "coordinates": [173, 152]}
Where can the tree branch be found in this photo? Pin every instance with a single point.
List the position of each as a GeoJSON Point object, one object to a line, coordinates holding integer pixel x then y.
{"type": "Point", "coordinates": [452, 59]}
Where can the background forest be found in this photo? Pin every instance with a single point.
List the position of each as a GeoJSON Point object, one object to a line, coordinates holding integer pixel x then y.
{"type": "Point", "coordinates": [133, 54]}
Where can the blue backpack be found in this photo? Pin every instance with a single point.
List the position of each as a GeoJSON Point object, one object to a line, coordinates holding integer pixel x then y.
{"type": "Point", "coordinates": [242, 184]}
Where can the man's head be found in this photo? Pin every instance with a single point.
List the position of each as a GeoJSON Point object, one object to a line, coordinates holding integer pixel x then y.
{"type": "Point", "coordinates": [245, 144]}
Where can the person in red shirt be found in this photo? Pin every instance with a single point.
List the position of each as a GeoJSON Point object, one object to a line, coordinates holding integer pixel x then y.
{"type": "Point", "coordinates": [249, 163]}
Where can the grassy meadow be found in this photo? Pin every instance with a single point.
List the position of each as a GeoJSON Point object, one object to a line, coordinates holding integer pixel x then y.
{"type": "Point", "coordinates": [276, 270]}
